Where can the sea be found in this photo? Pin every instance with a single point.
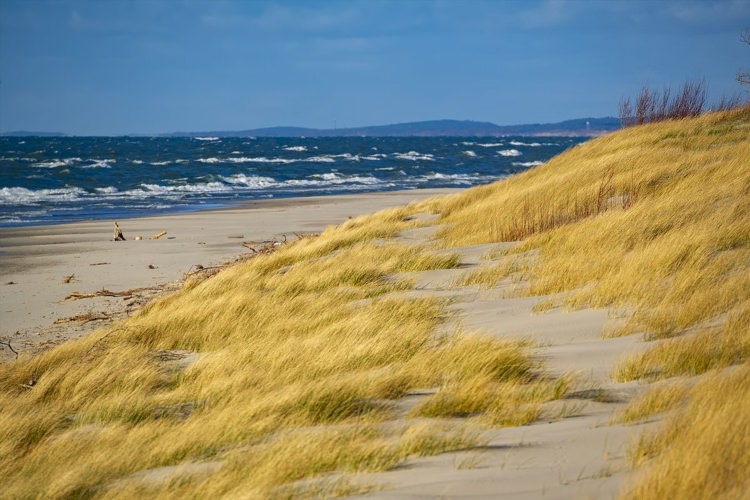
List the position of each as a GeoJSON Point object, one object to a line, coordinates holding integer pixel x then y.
{"type": "Point", "coordinates": [53, 180]}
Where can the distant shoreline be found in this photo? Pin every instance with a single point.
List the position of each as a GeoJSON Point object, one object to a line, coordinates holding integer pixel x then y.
{"type": "Point", "coordinates": [577, 127]}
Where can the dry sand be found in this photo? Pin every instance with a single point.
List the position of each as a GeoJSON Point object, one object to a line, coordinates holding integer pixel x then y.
{"type": "Point", "coordinates": [35, 261]}
{"type": "Point", "coordinates": [574, 451]}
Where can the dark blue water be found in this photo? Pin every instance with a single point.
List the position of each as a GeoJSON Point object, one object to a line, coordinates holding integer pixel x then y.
{"type": "Point", "coordinates": [55, 180]}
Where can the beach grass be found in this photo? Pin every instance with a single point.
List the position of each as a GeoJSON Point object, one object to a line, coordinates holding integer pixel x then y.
{"type": "Point", "coordinates": [279, 369]}
{"type": "Point", "coordinates": [653, 217]}
{"type": "Point", "coordinates": [654, 220]}
{"type": "Point", "coordinates": [702, 450]}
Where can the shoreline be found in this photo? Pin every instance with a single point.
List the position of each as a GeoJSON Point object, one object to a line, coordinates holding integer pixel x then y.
{"type": "Point", "coordinates": [43, 264]}
{"type": "Point", "coordinates": [219, 206]}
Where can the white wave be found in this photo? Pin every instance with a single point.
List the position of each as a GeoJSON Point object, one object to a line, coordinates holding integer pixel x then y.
{"type": "Point", "coordinates": [385, 169]}
{"type": "Point", "coordinates": [16, 158]}
{"type": "Point", "coordinates": [414, 156]}
{"type": "Point", "coordinates": [203, 187]}
{"type": "Point", "coordinates": [50, 164]}
{"type": "Point", "coordinates": [209, 160]}
{"type": "Point", "coordinates": [261, 159]}
{"type": "Point", "coordinates": [465, 143]}
{"type": "Point", "coordinates": [23, 196]}
{"type": "Point", "coordinates": [295, 148]}
{"type": "Point", "coordinates": [465, 179]}
{"type": "Point", "coordinates": [159, 163]}
{"type": "Point", "coordinates": [470, 153]}
{"type": "Point", "coordinates": [527, 163]}
{"type": "Point", "coordinates": [15, 220]}
{"type": "Point", "coordinates": [327, 176]}
{"type": "Point", "coordinates": [332, 180]}
{"type": "Point", "coordinates": [137, 162]}
{"type": "Point", "coordinates": [320, 159]}
{"type": "Point", "coordinates": [99, 163]}
{"type": "Point", "coordinates": [530, 144]}
{"type": "Point", "coordinates": [57, 163]}
{"type": "Point", "coordinates": [107, 190]}
{"type": "Point", "coordinates": [250, 181]}
{"type": "Point", "coordinates": [206, 138]}
{"type": "Point", "coordinates": [491, 144]}
{"type": "Point", "coordinates": [509, 152]}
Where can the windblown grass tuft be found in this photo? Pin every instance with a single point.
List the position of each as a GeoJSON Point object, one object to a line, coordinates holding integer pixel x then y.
{"type": "Point", "coordinates": [702, 452]}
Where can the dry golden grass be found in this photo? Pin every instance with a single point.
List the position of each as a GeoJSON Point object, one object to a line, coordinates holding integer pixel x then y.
{"type": "Point", "coordinates": [655, 217]}
{"type": "Point", "coordinates": [655, 400]}
{"type": "Point", "coordinates": [653, 220]}
{"type": "Point", "coordinates": [702, 452]}
{"type": "Point", "coordinates": [498, 404]}
{"type": "Point", "coordinates": [296, 359]}
{"type": "Point", "coordinates": [514, 267]}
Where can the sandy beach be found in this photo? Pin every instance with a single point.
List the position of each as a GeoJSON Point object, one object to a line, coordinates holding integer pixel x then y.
{"type": "Point", "coordinates": [41, 265]}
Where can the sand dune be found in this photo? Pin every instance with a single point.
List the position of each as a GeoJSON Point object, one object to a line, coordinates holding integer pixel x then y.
{"type": "Point", "coordinates": [36, 260]}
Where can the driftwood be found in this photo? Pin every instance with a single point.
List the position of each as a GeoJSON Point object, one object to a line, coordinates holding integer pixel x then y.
{"type": "Point", "coordinates": [84, 318]}
{"type": "Point", "coordinates": [7, 343]}
{"type": "Point", "coordinates": [107, 293]}
{"type": "Point", "coordinates": [157, 235]}
{"type": "Point", "coordinates": [118, 236]}
{"type": "Point", "coordinates": [207, 271]}
{"type": "Point", "coordinates": [261, 247]}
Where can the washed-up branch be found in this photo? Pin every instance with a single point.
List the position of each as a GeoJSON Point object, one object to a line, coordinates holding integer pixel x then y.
{"type": "Point", "coordinates": [108, 293]}
{"type": "Point", "coordinates": [7, 344]}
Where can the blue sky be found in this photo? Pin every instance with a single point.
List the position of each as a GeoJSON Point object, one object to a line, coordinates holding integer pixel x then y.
{"type": "Point", "coordinates": [107, 67]}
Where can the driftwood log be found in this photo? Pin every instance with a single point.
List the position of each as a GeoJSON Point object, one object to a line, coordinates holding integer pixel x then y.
{"type": "Point", "coordinates": [107, 293]}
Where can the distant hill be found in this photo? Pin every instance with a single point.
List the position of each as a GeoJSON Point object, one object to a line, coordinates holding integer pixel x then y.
{"type": "Point", "coordinates": [456, 128]}
{"type": "Point", "coordinates": [433, 128]}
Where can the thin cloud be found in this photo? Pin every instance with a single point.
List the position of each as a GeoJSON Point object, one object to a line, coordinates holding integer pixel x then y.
{"type": "Point", "coordinates": [548, 13]}
{"type": "Point", "coordinates": [695, 12]}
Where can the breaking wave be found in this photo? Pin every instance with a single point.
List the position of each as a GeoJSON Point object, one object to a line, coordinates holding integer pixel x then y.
{"type": "Point", "coordinates": [24, 196]}
{"type": "Point", "coordinates": [414, 156]}
{"type": "Point", "coordinates": [509, 152]}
